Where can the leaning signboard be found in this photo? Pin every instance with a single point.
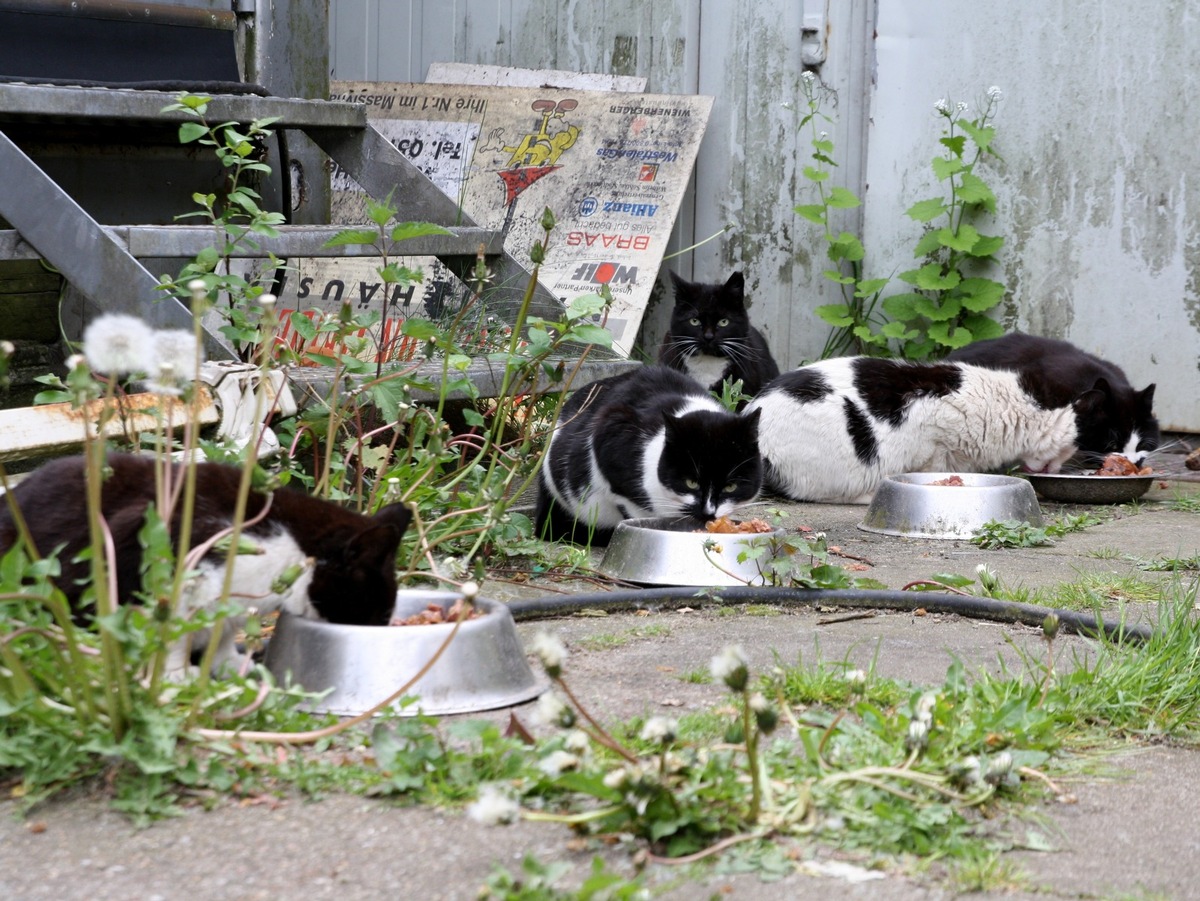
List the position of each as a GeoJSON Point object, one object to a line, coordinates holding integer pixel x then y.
{"type": "Point", "coordinates": [611, 167]}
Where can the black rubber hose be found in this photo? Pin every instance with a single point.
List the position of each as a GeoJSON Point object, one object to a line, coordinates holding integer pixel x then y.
{"type": "Point", "coordinates": [1088, 624]}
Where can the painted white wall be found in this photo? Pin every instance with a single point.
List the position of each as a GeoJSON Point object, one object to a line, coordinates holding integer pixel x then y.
{"type": "Point", "coordinates": [1099, 149]}
{"type": "Point", "coordinates": [1100, 161]}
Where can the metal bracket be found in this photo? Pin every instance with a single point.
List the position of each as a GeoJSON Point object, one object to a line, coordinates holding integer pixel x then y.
{"type": "Point", "coordinates": [814, 32]}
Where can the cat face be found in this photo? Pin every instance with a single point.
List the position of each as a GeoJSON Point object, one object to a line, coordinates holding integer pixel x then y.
{"type": "Point", "coordinates": [710, 462]}
{"type": "Point", "coordinates": [710, 319]}
{"type": "Point", "coordinates": [1111, 421]}
{"type": "Point", "coordinates": [355, 582]}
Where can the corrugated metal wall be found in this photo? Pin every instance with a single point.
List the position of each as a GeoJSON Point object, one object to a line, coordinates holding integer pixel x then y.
{"type": "Point", "coordinates": [1098, 145]}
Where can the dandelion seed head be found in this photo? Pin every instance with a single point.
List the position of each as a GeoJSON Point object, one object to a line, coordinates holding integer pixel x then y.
{"type": "Point", "coordinates": [659, 729]}
{"type": "Point", "coordinates": [557, 762]}
{"type": "Point", "coordinates": [731, 667]}
{"type": "Point", "coordinates": [493, 807]}
{"type": "Point", "coordinates": [551, 651]}
{"type": "Point", "coordinates": [117, 344]}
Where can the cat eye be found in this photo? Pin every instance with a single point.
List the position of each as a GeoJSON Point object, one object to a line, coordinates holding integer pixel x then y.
{"type": "Point", "coordinates": [722, 323]}
{"type": "Point", "coordinates": [691, 484]}
{"type": "Point", "coordinates": [730, 488]}
{"type": "Point", "coordinates": [693, 321]}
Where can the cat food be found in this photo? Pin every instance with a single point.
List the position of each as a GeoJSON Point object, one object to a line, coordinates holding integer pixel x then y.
{"type": "Point", "coordinates": [1120, 465]}
{"type": "Point", "coordinates": [955, 481]}
{"type": "Point", "coordinates": [433, 614]}
{"type": "Point", "coordinates": [723, 525]}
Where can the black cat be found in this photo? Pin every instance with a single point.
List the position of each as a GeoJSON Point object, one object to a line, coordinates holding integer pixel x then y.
{"type": "Point", "coordinates": [347, 560]}
{"type": "Point", "coordinates": [1056, 373]}
{"type": "Point", "coordinates": [711, 338]}
{"type": "Point", "coordinates": [651, 442]}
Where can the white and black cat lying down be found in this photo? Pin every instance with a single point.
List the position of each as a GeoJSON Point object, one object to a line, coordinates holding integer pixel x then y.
{"type": "Point", "coordinates": [711, 338]}
{"type": "Point", "coordinates": [349, 560]}
{"type": "Point", "coordinates": [651, 442]}
{"type": "Point", "coordinates": [833, 430]}
{"type": "Point", "coordinates": [1056, 372]}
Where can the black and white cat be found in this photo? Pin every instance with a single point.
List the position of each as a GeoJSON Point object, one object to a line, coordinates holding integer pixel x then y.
{"type": "Point", "coordinates": [347, 560]}
{"type": "Point", "coordinates": [650, 442]}
{"type": "Point", "coordinates": [833, 430]}
{"type": "Point", "coordinates": [1056, 372]}
{"type": "Point", "coordinates": [711, 338]}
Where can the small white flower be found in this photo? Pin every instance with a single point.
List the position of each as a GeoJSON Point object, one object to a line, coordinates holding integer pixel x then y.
{"type": "Point", "coordinates": [823, 135]}
{"type": "Point", "coordinates": [74, 361]}
{"type": "Point", "coordinates": [551, 651]}
{"type": "Point", "coordinates": [941, 106]}
{"type": "Point", "coordinates": [960, 107]}
{"type": "Point", "coordinates": [616, 778]}
{"type": "Point", "coordinates": [7, 348]}
{"type": "Point", "coordinates": [758, 702]}
{"type": "Point", "coordinates": [470, 590]}
{"type": "Point", "coordinates": [558, 762]}
{"type": "Point", "coordinates": [659, 729]}
{"type": "Point", "coordinates": [994, 93]}
{"type": "Point", "coordinates": [731, 667]}
{"type": "Point", "coordinates": [856, 677]}
{"type": "Point", "coordinates": [918, 734]}
{"type": "Point", "coordinates": [493, 807]}
{"type": "Point", "coordinates": [552, 710]}
{"type": "Point", "coordinates": [118, 345]}
{"type": "Point", "coordinates": [925, 705]}
{"type": "Point", "coordinates": [809, 76]}
{"type": "Point", "coordinates": [577, 742]}
{"type": "Point", "coordinates": [267, 301]}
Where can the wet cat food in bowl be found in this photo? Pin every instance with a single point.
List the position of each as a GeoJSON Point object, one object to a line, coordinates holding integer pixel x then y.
{"type": "Point", "coordinates": [483, 668]}
{"type": "Point", "coordinates": [670, 551]}
{"type": "Point", "coordinates": [948, 505]}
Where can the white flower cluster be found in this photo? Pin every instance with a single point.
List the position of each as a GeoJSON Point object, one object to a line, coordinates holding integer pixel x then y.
{"type": "Point", "coordinates": [551, 651]}
{"type": "Point", "coordinates": [117, 344]}
{"type": "Point", "coordinates": [493, 807]}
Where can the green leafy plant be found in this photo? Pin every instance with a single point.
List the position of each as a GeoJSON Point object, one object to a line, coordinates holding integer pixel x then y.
{"type": "Point", "coordinates": [949, 299]}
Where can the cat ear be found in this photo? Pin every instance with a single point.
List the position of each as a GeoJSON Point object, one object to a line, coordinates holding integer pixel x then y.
{"type": "Point", "coordinates": [397, 515]}
{"type": "Point", "coordinates": [752, 419]}
{"type": "Point", "coordinates": [375, 546]}
{"type": "Point", "coordinates": [1145, 398]}
{"type": "Point", "coordinates": [678, 283]}
{"type": "Point", "coordinates": [736, 284]}
{"type": "Point", "coordinates": [1092, 402]}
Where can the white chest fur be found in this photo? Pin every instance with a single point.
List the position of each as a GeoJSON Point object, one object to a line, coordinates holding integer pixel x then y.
{"type": "Point", "coordinates": [705, 369]}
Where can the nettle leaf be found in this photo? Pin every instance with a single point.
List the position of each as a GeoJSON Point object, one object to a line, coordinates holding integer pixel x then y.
{"type": "Point", "coordinates": [951, 335]}
{"type": "Point", "coordinates": [929, 307]}
{"type": "Point", "coordinates": [926, 210]}
{"type": "Point", "coordinates": [353, 236]}
{"type": "Point", "coordinates": [898, 331]}
{"type": "Point", "coordinates": [982, 327]}
{"type": "Point", "coordinates": [930, 278]}
{"type": "Point", "coordinates": [842, 199]}
{"type": "Point", "coordinates": [986, 246]}
{"type": "Point", "coordinates": [303, 325]}
{"type": "Point", "coordinates": [871, 286]}
{"type": "Point", "coordinates": [979, 294]}
{"type": "Point", "coordinates": [421, 329]}
{"type": "Point", "coordinates": [836, 314]}
{"type": "Point", "coordinates": [974, 191]}
{"type": "Point", "coordinates": [834, 276]}
{"type": "Point", "coordinates": [846, 247]}
{"type": "Point", "coordinates": [902, 306]}
{"type": "Point", "coordinates": [981, 135]}
{"type": "Point", "coordinates": [943, 168]}
{"type": "Point", "coordinates": [962, 242]}
{"type": "Point", "coordinates": [813, 212]}
{"type": "Point", "coordinates": [812, 173]}
{"type": "Point", "coordinates": [928, 244]}
{"type": "Point", "coordinates": [586, 333]}
{"type": "Point", "coordinates": [406, 230]}
{"type": "Point", "coordinates": [956, 144]}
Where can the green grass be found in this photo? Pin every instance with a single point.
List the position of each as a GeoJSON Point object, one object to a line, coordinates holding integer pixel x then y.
{"type": "Point", "coordinates": [607, 641]}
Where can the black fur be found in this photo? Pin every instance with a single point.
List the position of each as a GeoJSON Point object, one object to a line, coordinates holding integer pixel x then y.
{"type": "Point", "coordinates": [1056, 373]}
{"type": "Point", "coordinates": [710, 321]}
{"type": "Point", "coordinates": [888, 387]}
{"type": "Point", "coordinates": [613, 419]}
{"type": "Point", "coordinates": [354, 579]}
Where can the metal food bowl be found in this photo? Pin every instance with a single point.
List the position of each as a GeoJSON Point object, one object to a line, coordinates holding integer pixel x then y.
{"type": "Point", "coordinates": [670, 551]}
{"type": "Point", "coordinates": [483, 668]}
{"type": "Point", "coordinates": [1085, 488]}
{"type": "Point", "coordinates": [911, 506]}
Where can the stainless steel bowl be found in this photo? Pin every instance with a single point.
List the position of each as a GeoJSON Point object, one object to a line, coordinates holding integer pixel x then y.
{"type": "Point", "coordinates": [1081, 488]}
{"type": "Point", "coordinates": [670, 551]}
{"type": "Point", "coordinates": [909, 505]}
{"type": "Point", "coordinates": [483, 668]}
